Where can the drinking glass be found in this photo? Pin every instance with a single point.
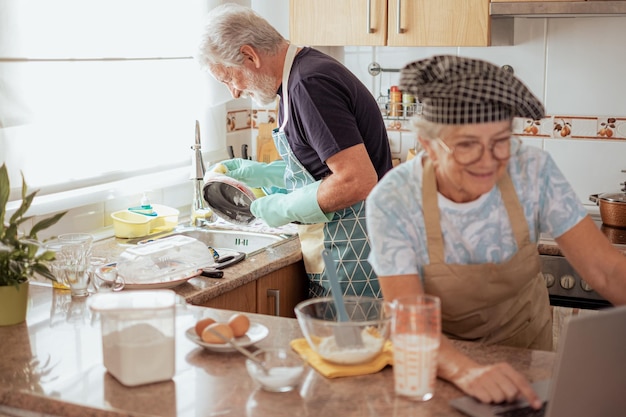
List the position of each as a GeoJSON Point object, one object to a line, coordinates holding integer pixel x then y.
{"type": "Point", "coordinates": [75, 257]}
{"type": "Point", "coordinates": [104, 277]}
{"type": "Point", "coordinates": [84, 239]}
{"type": "Point", "coordinates": [415, 334]}
{"type": "Point", "coordinates": [55, 266]}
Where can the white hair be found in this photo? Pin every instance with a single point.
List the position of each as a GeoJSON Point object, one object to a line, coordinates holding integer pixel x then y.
{"type": "Point", "coordinates": [230, 26]}
{"type": "Point", "coordinates": [428, 130]}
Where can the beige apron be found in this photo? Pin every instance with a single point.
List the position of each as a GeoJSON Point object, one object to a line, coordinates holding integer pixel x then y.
{"type": "Point", "coordinates": [503, 303]}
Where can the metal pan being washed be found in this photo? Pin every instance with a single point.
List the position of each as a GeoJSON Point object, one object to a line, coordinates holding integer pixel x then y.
{"type": "Point", "coordinates": [230, 199]}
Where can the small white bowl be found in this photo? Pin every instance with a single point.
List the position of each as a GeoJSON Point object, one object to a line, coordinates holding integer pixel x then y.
{"type": "Point", "coordinates": [285, 369]}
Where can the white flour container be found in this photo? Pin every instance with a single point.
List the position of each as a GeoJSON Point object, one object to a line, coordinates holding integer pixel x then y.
{"type": "Point", "coordinates": [138, 334]}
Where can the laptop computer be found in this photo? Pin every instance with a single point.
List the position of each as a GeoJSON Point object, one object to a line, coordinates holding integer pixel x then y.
{"type": "Point", "coordinates": [589, 378]}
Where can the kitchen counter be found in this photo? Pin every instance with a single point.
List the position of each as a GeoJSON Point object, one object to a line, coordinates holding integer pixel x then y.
{"type": "Point", "coordinates": [549, 247]}
{"type": "Point", "coordinates": [52, 364]}
{"type": "Point", "coordinates": [617, 237]}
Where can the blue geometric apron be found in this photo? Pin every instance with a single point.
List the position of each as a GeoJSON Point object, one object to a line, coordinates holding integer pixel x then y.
{"type": "Point", "coordinates": [345, 235]}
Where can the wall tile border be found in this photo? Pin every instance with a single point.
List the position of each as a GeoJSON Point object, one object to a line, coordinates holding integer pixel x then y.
{"type": "Point", "coordinates": [572, 127]}
{"type": "Point", "coordinates": [241, 119]}
{"type": "Point", "coordinates": [550, 127]}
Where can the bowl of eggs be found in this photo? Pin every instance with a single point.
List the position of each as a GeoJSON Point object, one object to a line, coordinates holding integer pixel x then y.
{"type": "Point", "coordinates": [237, 328]}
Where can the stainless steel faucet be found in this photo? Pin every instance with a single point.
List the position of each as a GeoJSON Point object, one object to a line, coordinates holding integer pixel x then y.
{"type": "Point", "coordinates": [201, 213]}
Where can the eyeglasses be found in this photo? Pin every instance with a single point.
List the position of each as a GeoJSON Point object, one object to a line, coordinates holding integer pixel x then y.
{"type": "Point", "coordinates": [468, 152]}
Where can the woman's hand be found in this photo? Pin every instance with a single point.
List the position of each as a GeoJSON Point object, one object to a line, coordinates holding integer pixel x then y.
{"type": "Point", "coordinates": [494, 383]}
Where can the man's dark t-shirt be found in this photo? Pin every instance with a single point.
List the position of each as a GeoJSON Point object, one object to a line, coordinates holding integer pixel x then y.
{"type": "Point", "coordinates": [331, 110]}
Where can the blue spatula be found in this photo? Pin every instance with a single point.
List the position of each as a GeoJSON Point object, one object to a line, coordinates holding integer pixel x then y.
{"type": "Point", "coordinates": [344, 336]}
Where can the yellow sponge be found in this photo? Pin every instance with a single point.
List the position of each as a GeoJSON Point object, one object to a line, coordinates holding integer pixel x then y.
{"type": "Point", "coordinates": [220, 168]}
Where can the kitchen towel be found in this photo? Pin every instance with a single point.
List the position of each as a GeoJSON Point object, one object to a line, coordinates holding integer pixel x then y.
{"type": "Point", "coordinates": [332, 370]}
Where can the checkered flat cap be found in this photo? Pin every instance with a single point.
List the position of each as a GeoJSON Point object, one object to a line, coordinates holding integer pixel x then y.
{"type": "Point", "coordinates": [456, 90]}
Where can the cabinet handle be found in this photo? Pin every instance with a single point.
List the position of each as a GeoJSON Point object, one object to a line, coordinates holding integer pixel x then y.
{"type": "Point", "coordinates": [399, 18]}
{"type": "Point", "coordinates": [369, 17]}
{"type": "Point", "coordinates": [276, 295]}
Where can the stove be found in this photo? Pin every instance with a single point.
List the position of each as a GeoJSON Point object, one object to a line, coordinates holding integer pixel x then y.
{"type": "Point", "coordinates": [565, 287]}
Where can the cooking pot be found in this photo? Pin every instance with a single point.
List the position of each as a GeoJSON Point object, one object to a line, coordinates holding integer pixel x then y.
{"type": "Point", "coordinates": [612, 208]}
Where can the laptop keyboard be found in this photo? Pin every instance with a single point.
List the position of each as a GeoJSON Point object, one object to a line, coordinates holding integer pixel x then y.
{"type": "Point", "coordinates": [526, 411]}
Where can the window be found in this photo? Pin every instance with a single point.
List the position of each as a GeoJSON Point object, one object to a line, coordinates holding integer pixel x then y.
{"type": "Point", "coordinates": [97, 91]}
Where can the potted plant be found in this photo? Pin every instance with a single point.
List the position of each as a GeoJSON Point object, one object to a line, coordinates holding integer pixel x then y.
{"type": "Point", "coordinates": [21, 254]}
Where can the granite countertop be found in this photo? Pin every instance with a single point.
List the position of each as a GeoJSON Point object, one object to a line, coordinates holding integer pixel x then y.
{"type": "Point", "coordinates": [52, 365]}
{"type": "Point", "coordinates": [548, 247]}
{"type": "Point", "coordinates": [617, 237]}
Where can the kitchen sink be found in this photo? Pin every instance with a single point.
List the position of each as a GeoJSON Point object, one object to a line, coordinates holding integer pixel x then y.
{"type": "Point", "coordinates": [247, 242]}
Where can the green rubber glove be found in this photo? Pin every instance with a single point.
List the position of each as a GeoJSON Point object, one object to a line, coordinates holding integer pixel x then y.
{"type": "Point", "coordinates": [256, 174]}
{"type": "Point", "coordinates": [299, 205]}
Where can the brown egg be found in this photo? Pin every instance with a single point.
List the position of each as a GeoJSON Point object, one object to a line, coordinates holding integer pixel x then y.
{"type": "Point", "coordinates": [239, 323]}
{"type": "Point", "coordinates": [222, 328]}
{"type": "Point", "coordinates": [202, 323]}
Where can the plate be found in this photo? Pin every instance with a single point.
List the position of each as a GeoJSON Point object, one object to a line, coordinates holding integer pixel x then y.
{"type": "Point", "coordinates": [255, 333]}
{"type": "Point", "coordinates": [104, 270]}
{"type": "Point", "coordinates": [230, 199]}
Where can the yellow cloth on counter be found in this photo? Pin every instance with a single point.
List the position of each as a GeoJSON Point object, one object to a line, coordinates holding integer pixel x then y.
{"type": "Point", "coordinates": [333, 370]}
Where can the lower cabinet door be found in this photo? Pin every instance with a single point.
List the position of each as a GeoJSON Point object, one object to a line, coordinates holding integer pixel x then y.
{"type": "Point", "coordinates": [280, 291]}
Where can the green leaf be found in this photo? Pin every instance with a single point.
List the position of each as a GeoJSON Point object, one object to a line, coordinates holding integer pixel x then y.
{"type": "Point", "coordinates": [45, 223]}
{"type": "Point", "coordinates": [26, 202]}
{"type": "Point", "coordinates": [5, 190]}
{"type": "Point", "coordinates": [44, 271]}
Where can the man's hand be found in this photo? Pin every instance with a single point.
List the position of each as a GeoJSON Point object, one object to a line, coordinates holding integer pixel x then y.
{"type": "Point", "coordinates": [300, 205]}
{"type": "Point", "coordinates": [252, 173]}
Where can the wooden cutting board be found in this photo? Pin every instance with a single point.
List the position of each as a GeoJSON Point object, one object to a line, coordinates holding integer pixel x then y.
{"type": "Point", "coordinates": [266, 151]}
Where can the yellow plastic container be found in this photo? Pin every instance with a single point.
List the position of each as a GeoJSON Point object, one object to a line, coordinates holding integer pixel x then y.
{"type": "Point", "coordinates": [128, 224]}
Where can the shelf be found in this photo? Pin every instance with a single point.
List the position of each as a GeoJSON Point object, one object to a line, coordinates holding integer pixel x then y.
{"type": "Point", "coordinates": [398, 111]}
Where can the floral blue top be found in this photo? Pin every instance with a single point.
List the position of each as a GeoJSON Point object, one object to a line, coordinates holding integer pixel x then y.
{"type": "Point", "coordinates": [475, 232]}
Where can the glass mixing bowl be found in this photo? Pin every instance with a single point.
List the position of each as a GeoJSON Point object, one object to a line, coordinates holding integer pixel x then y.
{"type": "Point", "coordinates": [345, 342]}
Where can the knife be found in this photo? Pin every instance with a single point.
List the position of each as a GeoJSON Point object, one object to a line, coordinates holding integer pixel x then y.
{"type": "Point", "coordinates": [244, 151]}
{"type": "Point", "coordinates": [231, 152]}
{"type": "Point", "coordinates": [212, 273]}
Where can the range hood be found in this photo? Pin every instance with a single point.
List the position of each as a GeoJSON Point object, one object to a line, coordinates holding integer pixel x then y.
{"type": "Point", "coordinates": [589, 8]}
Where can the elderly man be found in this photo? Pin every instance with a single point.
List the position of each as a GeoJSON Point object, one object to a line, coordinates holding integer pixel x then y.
{"type": "Point", "coordinates": [332, 140]}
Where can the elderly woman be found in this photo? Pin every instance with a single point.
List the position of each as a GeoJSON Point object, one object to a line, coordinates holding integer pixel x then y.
{"type": "Point", "coordinates": [462, 221]}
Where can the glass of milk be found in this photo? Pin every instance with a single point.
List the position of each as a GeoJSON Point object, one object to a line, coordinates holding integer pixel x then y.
{"type": "Point", "coordinates": [138, 334]}
{"type": "Point", "coordinates": [415, 334]}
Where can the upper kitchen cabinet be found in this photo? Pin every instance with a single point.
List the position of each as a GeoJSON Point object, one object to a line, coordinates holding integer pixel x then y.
{"type": "Point", "coordinates": [390, 22]}
{"type": "Point", "coordinates": [338, 22]}
{"type": "Point", "coordinates": [438, 23]}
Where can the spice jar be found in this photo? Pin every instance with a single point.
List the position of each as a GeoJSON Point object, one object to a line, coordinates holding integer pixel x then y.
{"type": "Point", "coordinates": [395, 101]}
{"type": "Point", "coordinates": [408, 101]}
